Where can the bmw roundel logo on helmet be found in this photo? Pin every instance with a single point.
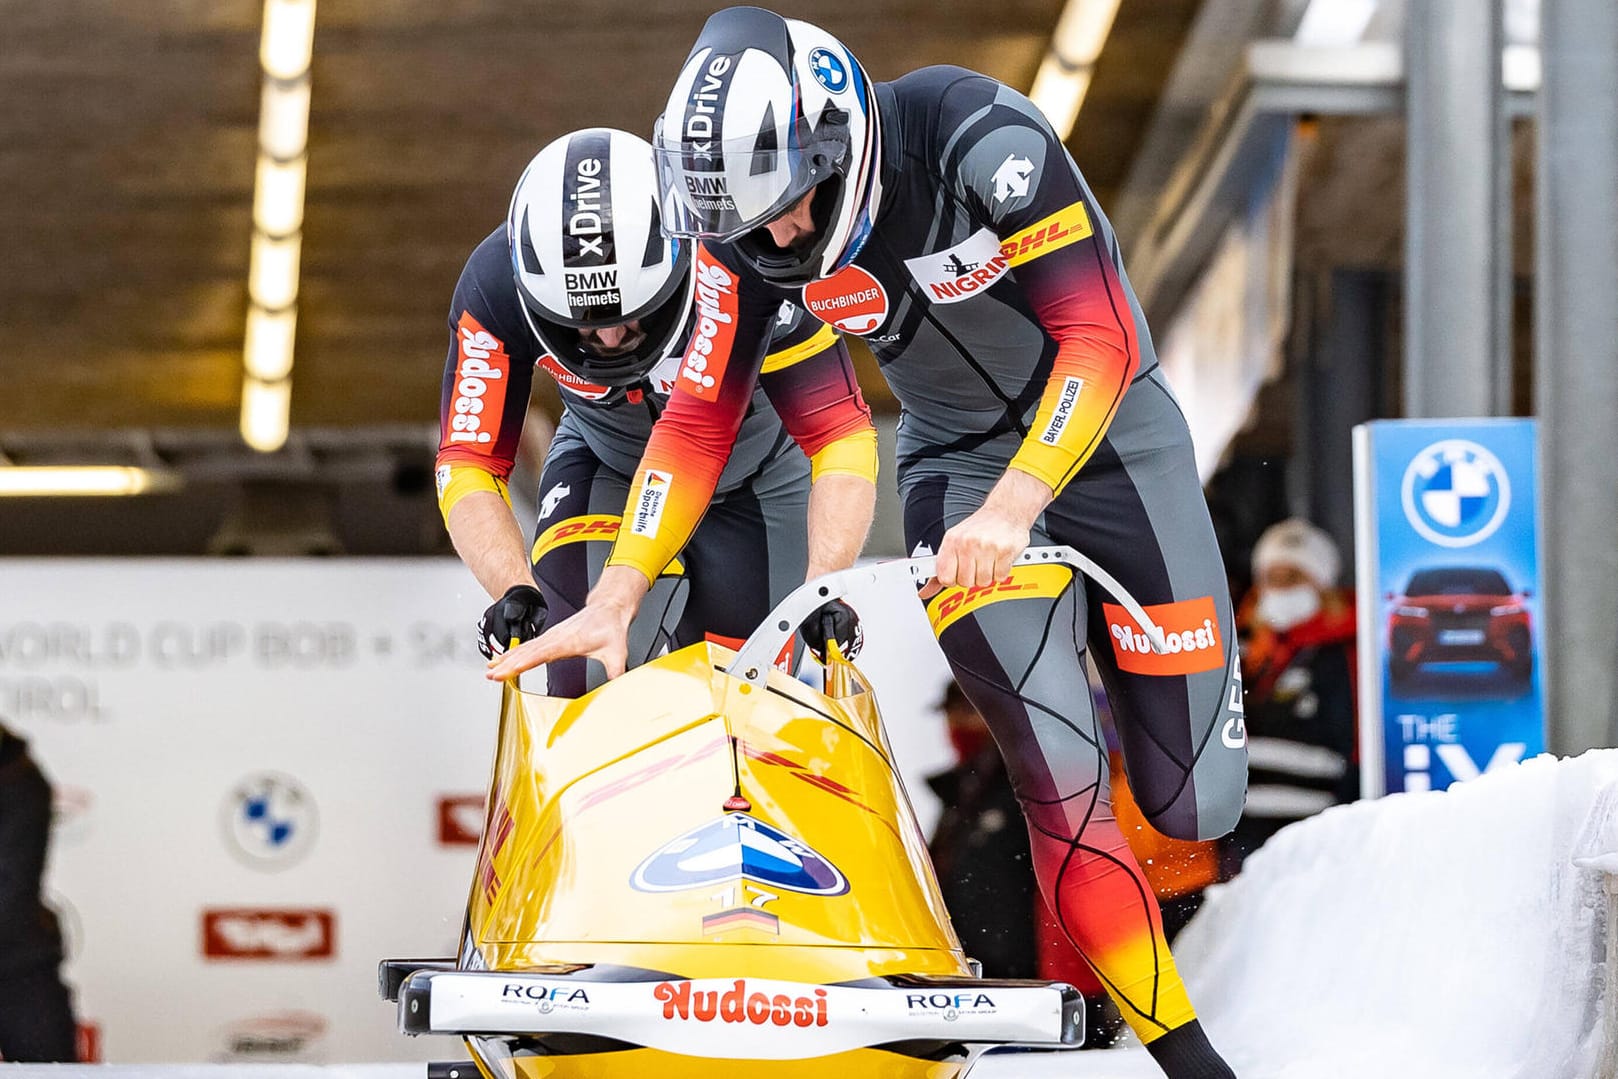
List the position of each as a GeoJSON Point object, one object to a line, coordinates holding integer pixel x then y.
{"type": "Point", "coordinates": [829, 70]}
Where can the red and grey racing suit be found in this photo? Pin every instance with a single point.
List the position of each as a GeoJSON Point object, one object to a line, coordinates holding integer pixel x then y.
{"type": "Point", "coordinates": [750, 548]}
{"type": "Point", "coordinates": [992, 292]}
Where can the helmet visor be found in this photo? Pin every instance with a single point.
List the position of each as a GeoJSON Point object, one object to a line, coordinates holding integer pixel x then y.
{"type": "Point", "coordinates": [722, 189]}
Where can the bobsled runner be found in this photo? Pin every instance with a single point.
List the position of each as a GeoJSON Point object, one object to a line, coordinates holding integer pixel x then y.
{"type": "Point", "coordinates": [706, 868]}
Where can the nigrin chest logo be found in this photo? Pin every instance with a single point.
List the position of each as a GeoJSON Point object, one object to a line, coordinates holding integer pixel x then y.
{"type": "Point", "coordinates": [962, 271]}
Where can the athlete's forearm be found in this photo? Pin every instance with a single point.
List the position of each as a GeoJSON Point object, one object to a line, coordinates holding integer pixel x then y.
{"type": "Point", "coordinates": [678, 473]}
{"type": "Point", "coordinates": [840, 510]}
{"type": "Point", "coordinates": [1019, 498]}
{"type": "Point", "coordinates": [1080, 301]}
{"type": "Point", "coordinates": [983, 548]}
{"type": "Point", "coordinates": [620, 590]}
{"type": "Point", "coordinates": [487, 538]}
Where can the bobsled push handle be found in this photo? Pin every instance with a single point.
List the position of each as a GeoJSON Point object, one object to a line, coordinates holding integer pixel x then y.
{"type": "Point", "coordinates": [759, 651]}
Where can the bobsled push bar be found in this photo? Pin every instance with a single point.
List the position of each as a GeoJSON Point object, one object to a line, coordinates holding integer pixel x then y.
{"type": "Point", "coordinates": [753, 662]}
{"type": "Point", "coordinates": [763, 1018]}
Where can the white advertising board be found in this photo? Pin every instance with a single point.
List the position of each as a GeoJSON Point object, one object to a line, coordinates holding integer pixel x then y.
{"type": "Point", "coordinates": [262, 768]}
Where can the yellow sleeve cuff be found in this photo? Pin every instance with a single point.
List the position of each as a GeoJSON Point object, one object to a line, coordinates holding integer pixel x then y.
{"type": "Point", "coordinates": [852, 455]}
{"type": "Point", "coordinates": [639, 554]}
{"type": "Point", "coordinates": [1063, 435]}
{"type": "Point", "coordinates": [820, 341]}
{"type": "Point", "coordinates": [1049, 464]}
{"type": "Point", "coordinates": [647, 551]}
{"type": "Point", "coordinates": [455, 482]}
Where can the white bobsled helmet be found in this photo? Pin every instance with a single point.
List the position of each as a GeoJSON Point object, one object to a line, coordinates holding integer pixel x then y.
{"type": "Point", "coordinates": [588, 251]}
{"type": "Point", "coordinates": [764, 110]}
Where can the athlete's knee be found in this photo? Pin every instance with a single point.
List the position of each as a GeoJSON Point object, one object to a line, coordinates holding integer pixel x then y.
{"type": "Point", "coordinates": [1205, 809]}
{"type": "Point", "coordinates": [1223, 810]}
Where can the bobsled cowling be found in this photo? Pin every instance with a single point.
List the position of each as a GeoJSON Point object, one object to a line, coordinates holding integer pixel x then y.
{"type": "Point", "coordinates": [698, 868]}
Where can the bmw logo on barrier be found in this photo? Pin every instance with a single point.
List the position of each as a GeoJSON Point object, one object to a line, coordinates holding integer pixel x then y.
{"type": "Point", "coordinates": [270, 820]}
{"type": "Point", "coordinates": [1455, 493]}
{"type": "Point", "coordinates": [829, 70]}
{"type": "Point", "coordinates": [737, 846]}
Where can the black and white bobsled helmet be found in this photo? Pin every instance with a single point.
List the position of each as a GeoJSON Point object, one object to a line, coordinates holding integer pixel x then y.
{"type": "Point", "coordinates": [765, 109]}
{"type": "Point", "coordinates": [588, 251]}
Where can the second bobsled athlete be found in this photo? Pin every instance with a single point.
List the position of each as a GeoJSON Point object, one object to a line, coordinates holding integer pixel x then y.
{"type": "Point", "coordinates": [940, 217]}
{"type": "Point", "coordinates": [581, 281]}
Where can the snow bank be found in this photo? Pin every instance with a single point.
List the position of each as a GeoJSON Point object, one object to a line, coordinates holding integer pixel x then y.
{"type": "Point", "coordinates": [1437, 935]}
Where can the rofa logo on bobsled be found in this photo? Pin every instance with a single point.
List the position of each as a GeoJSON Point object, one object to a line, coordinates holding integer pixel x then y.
{"type": "Point", "coordinates": [850, 299]}
{"type": "Point", "coordinates": [950, 1006]}
{"type": "Point", "coordinates": [1190, 632]}
{"type": "Point", "coordinates": [460, 820]}
{"type": "Point", "coordinates": [681, 1000]}
{"type": "Point", "coordinates": [269, 934]}
{"type": "Point", "coordinates": [545, 998]}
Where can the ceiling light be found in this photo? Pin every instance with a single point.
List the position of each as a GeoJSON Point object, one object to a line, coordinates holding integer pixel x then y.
{"type": "Point", "coordinates": [1064, 74]}
{"type": "Point", "coordinates": [1083, 30]}
{"type": "Point", "coordinates": [1059, 94]}
{"type": "Point", "coordinates": [272, 277]}
{"type": "Point", "coordinates": [266, 412]}
{"type": "Point", "coordinates": [283, 118]}
{"type": "Point", "coordinates": [37, 481]}
{"type": "Point", "coordinates": [278, 196]}
{"type": "Point", "coordinates": [267, 352]}
{"type": "Point", "coordinates": [289, 37]}
{"type": "Point", "coordinates": [285, 52]}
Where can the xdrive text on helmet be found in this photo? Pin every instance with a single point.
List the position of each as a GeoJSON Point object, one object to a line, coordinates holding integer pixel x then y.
{"type": "Point", "coordinates": [589, 255]}
{"type": "Point", "coordinates": [767, 110]}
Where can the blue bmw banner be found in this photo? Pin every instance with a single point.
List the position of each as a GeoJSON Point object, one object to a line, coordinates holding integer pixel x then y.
{"type": "Point", "coordinates": [1447, 537]}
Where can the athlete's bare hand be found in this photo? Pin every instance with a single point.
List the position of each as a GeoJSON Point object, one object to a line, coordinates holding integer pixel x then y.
{"type": "Point", "coordinates": [600, 630]}
{"type": "Point", "coordinates": [597, 632]}
{"type": "Point", "coordinates": [981, 549]}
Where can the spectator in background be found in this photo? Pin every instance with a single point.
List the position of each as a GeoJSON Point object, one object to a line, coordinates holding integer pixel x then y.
{"type": "Point", "coordinates": [36, 1012]}
{"type": "Point", "coordinates": [980, 849]}
{"type": "Point", "coordinates": [1299, 681]}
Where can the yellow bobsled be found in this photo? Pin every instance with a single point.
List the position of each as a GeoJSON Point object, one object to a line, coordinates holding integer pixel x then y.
{"type": "Point", "coordinates": [705, 868]}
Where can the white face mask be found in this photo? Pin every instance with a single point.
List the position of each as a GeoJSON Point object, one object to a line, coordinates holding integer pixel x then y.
{"type": "Point", "coordinates": [1283, 608]}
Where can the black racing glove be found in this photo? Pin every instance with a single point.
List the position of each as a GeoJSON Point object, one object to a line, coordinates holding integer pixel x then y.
{"type": "Point", "coordinates": [837, 621]}
{"type": "Point", "coordinates": [520, 613]}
